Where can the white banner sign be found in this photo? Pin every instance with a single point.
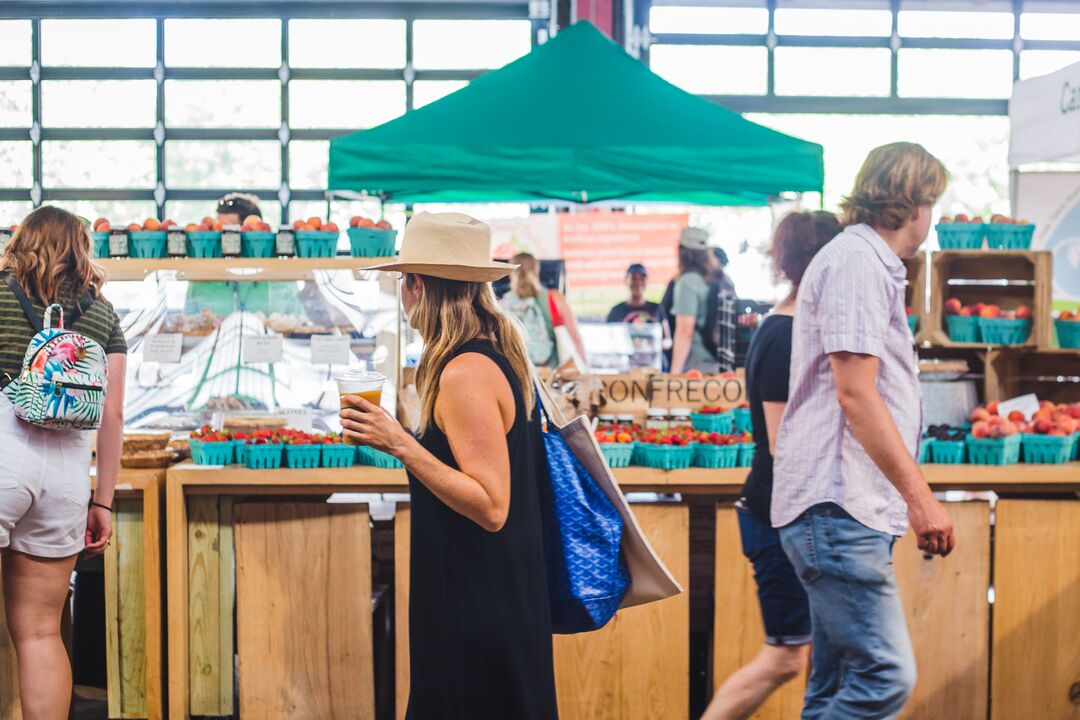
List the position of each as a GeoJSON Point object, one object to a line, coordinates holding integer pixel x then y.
{"type": "Point", "coordinates": [1045, 116]}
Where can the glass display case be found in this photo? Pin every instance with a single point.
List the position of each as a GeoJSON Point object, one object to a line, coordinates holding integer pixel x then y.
{"type": "Point", "coordinates": [617, 347]}
{"type": "Point", "coordinates": [252, 338]}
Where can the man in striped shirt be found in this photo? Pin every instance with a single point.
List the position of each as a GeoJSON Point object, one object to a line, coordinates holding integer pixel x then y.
{"type": "Point", "coordinates": [845, 481]}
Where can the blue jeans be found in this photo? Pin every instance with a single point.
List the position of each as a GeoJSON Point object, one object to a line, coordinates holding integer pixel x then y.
{"type": "Point", "coordinates": [863, 664]}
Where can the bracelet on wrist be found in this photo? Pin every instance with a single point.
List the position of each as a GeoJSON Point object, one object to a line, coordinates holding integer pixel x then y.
{"type": "Point", "coordinates": [103, 507]}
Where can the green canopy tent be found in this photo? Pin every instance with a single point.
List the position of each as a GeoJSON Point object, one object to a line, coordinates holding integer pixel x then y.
{"type": "Point", "coordinates": [575, 120]}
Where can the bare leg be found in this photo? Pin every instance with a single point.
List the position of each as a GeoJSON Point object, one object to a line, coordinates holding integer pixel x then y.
{"type": "Point", "coordinates": [35, 590]}
{"type": "Point", "coordinates": [748, 689]}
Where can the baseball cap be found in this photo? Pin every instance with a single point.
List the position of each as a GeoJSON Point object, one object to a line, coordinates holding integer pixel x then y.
{"type": "Point", "coordinates": [694, 238]}
{"type": "Point", "coordinates": [637, 268]}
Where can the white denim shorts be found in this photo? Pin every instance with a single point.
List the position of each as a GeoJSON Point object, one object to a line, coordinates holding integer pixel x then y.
{"type": "Point", "coordinates": [44, 487]}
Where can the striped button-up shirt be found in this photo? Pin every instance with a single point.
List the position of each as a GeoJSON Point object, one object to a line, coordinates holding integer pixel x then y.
{"type": "Point", "coordinates": [851, 300]}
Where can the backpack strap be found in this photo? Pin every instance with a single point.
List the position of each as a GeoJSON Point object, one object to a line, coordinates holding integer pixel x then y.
{"type": "Point", "coordinates": [81, 306]}
{"type": "Point", "coordinates": [36, 321]}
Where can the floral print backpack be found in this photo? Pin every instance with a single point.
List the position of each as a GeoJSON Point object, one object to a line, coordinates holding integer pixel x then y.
{"type": "Point", "coordinates": [62, 382]}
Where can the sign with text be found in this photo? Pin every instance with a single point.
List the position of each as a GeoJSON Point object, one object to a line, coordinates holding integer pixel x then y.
{"type": "Point", "coordinates": [636, 392]}
{"type": "Point", "coordinates": [599, 247]}
{"type": "Point", "coordinates": [261, 349]}
{"type": "Point", "coordinates": [163, 347]}
{"type": "Point", "coordinates": [329, 350]}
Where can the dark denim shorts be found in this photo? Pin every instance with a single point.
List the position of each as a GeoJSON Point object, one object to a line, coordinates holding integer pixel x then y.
{"type": "Point", "coordinates": [784, 606]}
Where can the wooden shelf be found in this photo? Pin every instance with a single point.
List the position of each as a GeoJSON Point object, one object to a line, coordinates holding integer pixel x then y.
{"type": "Point", "coordinates": [233, 269]}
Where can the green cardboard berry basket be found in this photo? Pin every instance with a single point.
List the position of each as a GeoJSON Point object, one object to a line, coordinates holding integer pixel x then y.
{"type": "Point", "coordinates": [338, 455]}
{"type": "Point", "coordinates": [316, 243]}
{"type": "Point", "coordinates": [212, 453]}
{"type": "Point", "coordinates": [743, 423]}
{"type": "Point", "coordinates": [372, 242]}
{"type": "Point", "coordinates": [993, 451]}
{"type": "Point", "coordinates": [1068, 332]}
{"type": "Point", "coordinates": [263, 457]}
{"type": "Point", "coordinates": [947, 452]}
{"type": "Point", "coordinates": [960, 236]}
{"type": "Point", "coordinates": [723, 423]}
{"type": "Point", "coordinates": [147, 243]}
{"type": "Point", "coordinates": [303, 456]}
{"type": "Point", "coordinates": [925, 450]}
{"type": "Point", "coordinates": [1001, 236]}
{"type": "Point", "coordinates": [257, 244]}
{"type": "Point", "coordinates": [1048, 449]}
{"type": "Point", "coordinates": [667, 457]}
{"type": "Point", "coordinates": [1004, 331]}
{"type": "Point", "coordinates": [746, 454]}
{"type": "Point", "coordinates": [618, 455]}
{"type": "Point", "coordinates": [100, 246]}
{"type": "Point", "coordinates": [204, 244]}
{"type": "Point", "coordinates": [716, 456]}
{"type": "Point", "coordinates": [377, 458]}
{"type": "Point", "coordinates": [963, 328]}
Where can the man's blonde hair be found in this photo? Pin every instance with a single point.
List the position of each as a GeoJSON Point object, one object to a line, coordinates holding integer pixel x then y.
{"type": "Point", "coordinates": [894, 181]}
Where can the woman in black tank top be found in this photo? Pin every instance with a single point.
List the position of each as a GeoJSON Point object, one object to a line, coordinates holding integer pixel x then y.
{"type": "Point", "coordinates": [479, 619]}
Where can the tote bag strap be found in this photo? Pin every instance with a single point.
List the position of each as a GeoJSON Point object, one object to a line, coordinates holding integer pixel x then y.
{"type": "Point", "coordinates": [547, 405]}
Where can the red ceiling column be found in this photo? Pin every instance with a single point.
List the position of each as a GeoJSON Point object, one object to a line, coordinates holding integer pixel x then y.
{"type": "Point", "coordinates": [600, 13]}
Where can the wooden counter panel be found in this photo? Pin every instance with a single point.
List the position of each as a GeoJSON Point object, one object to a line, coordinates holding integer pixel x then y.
{"type": "Point", "coordinates": [948, 615]}
{"type": "Point", "coordinates": [210, 605]}
{"type": "Point", "coordinates": [10, 709]}
{"type": "Point", "coordinates": [1036, 659]}
{"type": "Point", "coordinates": [303, 592]}
{"type": "Point", "coordinates": [402, 527]}
{"type": "Point", "coordinates": [125, 603]}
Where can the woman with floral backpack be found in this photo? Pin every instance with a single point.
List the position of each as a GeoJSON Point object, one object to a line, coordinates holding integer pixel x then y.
{"type": "Point", "coordinates": [62, 364]}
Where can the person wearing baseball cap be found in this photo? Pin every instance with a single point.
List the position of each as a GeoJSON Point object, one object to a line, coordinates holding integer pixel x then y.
{"type": "Point", "coordinates": [637, 309]}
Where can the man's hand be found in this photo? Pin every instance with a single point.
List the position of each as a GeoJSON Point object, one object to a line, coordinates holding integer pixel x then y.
{"type": "Point", "coordinates": [932, 525]}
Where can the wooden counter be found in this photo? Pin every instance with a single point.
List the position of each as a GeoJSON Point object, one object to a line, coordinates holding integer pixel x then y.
{"type": "Point", "coordinates": [215, 524]}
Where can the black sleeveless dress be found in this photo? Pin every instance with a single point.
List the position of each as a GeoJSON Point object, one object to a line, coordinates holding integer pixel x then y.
{"type": "Point", "coordinates": [479, 619]}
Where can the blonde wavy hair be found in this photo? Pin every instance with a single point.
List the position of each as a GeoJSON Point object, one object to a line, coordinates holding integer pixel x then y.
{"type": "Point", "coordinates": [894, 181]}
{"type": "Point", "coordinates": [525, 281]}
{"type": "Point", "coordinates": [50, 252]}
{"type": "Point", "coordinates": [450, 313]}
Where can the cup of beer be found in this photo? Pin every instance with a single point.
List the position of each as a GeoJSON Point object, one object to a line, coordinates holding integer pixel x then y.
{"type": "Point", "coordinates": [361, 383]}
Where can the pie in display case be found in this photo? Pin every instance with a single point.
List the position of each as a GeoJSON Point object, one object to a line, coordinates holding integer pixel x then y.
{"type": "Point", "coordinates": [250, 341]}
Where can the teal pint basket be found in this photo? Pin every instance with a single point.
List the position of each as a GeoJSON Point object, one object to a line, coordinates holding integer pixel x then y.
{"type": "Point", "coordinates": [377, 458]}
{"type": "Point", "coordinates": [147, 243]}
{"type": "Point", "coordinates": [1004, 331]}
{"type": "Point", "coordinates": [100, 246]}
{"type": "Point", "coordinates": [746, 454]}
{"type": "Point", "coordinates": [618, 455]}
{"type": "Point", "coordinates": [211, 453]}
{"type": "Point", "coordinates": [204, 244]}
{"type": "Point", "coordinates": [338, 456]}
{"type": "Point", "coordinates": [742, 420]}
{"type": "Point", "coordinates": [723, 423]}
{"type": "Point", "coordinates": [257, 244]}
{"type": "Point", "coordinates": [913, 323]}
{"type": "Point", "coordinates": [925, 451]}
{"type": "Point", "coordinates": [1068, 332]}
{"type": "Point", "coordinates": [1048, 449]}
{"type": "Point", "coordinates": [947, 452]}
{"type": "Point", "coordinates": [667, 457]}
{"type": "Point", "coordinates": [263, 457]}
{"type": "Point", "coordinates": [372, 242]}
{"type": "Point", "coordinates": [1000, 236]}
{"type": "Point", "coordinates": [716, 456]}
{"type": "Point", "coordinates": [993, 451]}
{"type": "Point", "coordinates": [960, 236]}
{"type": "Point", "coordinates": [316, 243]}
{"type": "Point", "coordinates": [963, 328]}
{"type": "Point", "coordinates": [303, 457]}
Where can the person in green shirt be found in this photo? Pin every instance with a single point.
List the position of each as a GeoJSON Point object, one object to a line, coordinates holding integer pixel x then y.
{"type": "Point", "coordinates": [697, 268]}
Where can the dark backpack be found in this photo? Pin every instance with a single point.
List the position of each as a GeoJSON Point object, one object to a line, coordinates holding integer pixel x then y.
{"type": "Point", "coordinates": [721, 324]}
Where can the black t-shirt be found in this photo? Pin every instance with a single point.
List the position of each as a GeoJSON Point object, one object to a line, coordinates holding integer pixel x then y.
{"type": "Point", "coordinates": [768, 364]}
{"type": "Point", "coordinates": [650, 312]}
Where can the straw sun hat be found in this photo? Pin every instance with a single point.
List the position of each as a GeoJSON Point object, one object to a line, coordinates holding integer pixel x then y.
{"type": "Point", "coordinates": [451, 246]}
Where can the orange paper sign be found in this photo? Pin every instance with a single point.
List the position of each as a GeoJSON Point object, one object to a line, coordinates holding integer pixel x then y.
{"type": "Point", "coordinates": [599, 247]}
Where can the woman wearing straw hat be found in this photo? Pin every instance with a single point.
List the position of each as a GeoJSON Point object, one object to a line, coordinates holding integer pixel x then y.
{"type": "Point", "coordinates": [479, 621]}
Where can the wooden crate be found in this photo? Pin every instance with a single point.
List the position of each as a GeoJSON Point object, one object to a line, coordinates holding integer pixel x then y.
{"type": "Point", "coordinates": [1052, 375]}
{"type": "Point", "coordinates": [1005, 278]}
{"type": "Point", "coordinates": [915, 294]}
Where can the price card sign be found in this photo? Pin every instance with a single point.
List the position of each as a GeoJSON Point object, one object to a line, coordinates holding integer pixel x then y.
{"type": "Point", "coordinates": [261, 349]}
{"type": "Point", "coordinates": [329, 350]}
{"type": "Point", "coordinates": [298, 418]}
{"type": "Point", "coordinates": [163, 348]}
{"type": "Point", "coordinates": [230, 243]}
{"type": "Point", "coordinates": [118, 243]}
{"type": "Point", "coordinates": [286, 243]}
{"type": "Point", "coordinates": [177, 243]}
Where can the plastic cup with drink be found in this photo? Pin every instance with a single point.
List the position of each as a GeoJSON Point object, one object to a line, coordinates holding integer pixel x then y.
{"type": "Point", "coordinates": [361, 383]}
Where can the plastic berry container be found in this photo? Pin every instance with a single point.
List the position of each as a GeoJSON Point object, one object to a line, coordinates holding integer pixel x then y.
{"type": "Point", "coordinates": [716, 456]}
{"type": "Point", "coordinates": [960, 236]}
{"type": "Point", "coordinates": [926, 450]}
{"type": "Point", "coordinates": [667, 457]}
{"type": "Point", "coordinates": [723, 423]}
{"type": "Point", "coordinates": [618, 455]}
{"type": "Point", "coordinates": [263, 457]}
{"type": "Point", "coordinates": [377, 458]}
{"type": "Point", "coordinates": [100, 247]}
{"type": "Point", "coordinates": [963, 328]}
{"type": "Point", "coordinates": [147, 243]}
{"type": "Point", "coordinates": [303, 456]}
{"type": "Point", "coordinates": [204, 244]}
{"type": "Point", "coordinates": [1048, 449]}
{"type": "Point", "coordinates": [211, 453]}
{"type": "Point", "coordinates": [338, 455]}
{"type": "Point", "coordinates": [993, 451]}
{"type": "Point", "coordinates": [372, 242]}
{"type": "Point", "coordinates": [316, 243]}
{"type": "Point", "coordinates": [1068, 332]}
{"type": "Point", "coordinates": [1002, 236]}
{"type": "Point", "coordinates": [742, 421]}
{"type": "Point", "coordinates": [746, 454]}
{"type": "Point", "coordinates": [947, 452]}
{"type": "Point", "coordinates": [1004, 331]}
{"type": "Point", "coordinates": [257, 244]}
